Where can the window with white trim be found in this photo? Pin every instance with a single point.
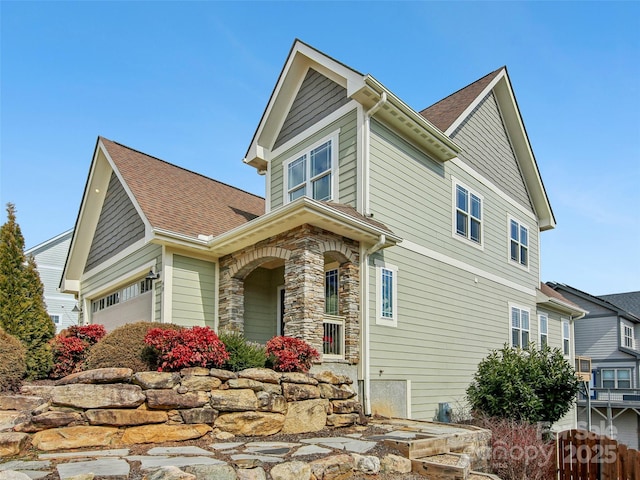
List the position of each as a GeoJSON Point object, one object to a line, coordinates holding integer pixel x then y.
{"type": "Point", "coordinates": [616, 377]}
{"type": "Point", "coordinates": [543, 330]}
{"type": "Point", "coordinates": [55, 319]}
{"type": "Point", "coordinates": [566, 338]}
{"type": "Point", "coordinates": [518, 243]}
{"type": "Point", "coordinates": [468, 214]}
{"type": "Point", "coordinates": [312, 172]}
{"type": "Point", "coordinates": [627, 336]}
{"type": "Point", "coordinates": [331, 292]}
{"type": "Point", "coordinates": [387, 295]}
{"type": "Point", "coordinates": [519, 327]}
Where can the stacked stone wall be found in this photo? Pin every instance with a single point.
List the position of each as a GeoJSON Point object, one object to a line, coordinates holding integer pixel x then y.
{"type": "Point", "coordinates": [111, 406]}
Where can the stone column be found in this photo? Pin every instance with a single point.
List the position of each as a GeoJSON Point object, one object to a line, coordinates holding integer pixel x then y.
{"type": "Point", "coordinates": [304, 293]}
{"type": "Point", "coordinates": [231, 304]}
{"type": "Point", "coordinates": [349, 296]}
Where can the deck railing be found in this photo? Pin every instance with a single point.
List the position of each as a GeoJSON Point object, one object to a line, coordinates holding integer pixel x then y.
{"type": "Point", "coordinates": [616, 395]}
{"type": "Point", "coordinates": [333, 340]}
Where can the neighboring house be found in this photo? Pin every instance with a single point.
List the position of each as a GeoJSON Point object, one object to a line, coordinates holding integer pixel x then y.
{"type": "Point", "coordinates": [402, 244]}
{"type": "Point", "coordinates": [50, 257]}
{"type": "Point", "coordinates": [608, 337]}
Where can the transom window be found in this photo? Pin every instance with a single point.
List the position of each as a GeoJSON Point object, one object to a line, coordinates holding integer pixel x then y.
{"type": "Point", "coordinates": [627, 336]}
{"type": "Point", "coordinates": [519, 327]}
{"type": "Point", "coordinates": [127, 293]}
{"type": "Point", "coordinates": [311, 173]}
{"type": "Point", "coordinates": [519, 243]}
{"type": "Point", "coordinates": [543, 326]}
{"type": "Point", "coordinates": [616, 377]}
{"type": "Point", "coordinates": [468, 214]}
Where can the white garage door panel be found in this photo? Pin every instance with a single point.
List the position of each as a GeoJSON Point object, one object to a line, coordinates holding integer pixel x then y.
{"type": "Point", "coordinates": [137, 309]}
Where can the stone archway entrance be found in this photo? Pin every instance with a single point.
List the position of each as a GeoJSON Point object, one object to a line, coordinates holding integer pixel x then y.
{"type": "Point", "coordinates": [284, 278]}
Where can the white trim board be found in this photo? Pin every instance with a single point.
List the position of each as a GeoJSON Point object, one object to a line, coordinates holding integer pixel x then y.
{"type": "Point", "coordinates": [440, 257]}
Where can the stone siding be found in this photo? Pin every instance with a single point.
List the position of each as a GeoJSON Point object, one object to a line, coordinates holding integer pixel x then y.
{"type": "Point", "coordinates": [303, 251]}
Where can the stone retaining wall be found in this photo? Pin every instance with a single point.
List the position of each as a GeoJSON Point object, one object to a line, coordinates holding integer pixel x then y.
{"type": "Point", "coordinates": [112, 406]}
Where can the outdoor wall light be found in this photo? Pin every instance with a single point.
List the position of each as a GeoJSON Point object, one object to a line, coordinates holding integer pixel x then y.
{"type": "Point", "coordinates": [75, 309]}
{"type": "Point", "coordinates": [152, 276]}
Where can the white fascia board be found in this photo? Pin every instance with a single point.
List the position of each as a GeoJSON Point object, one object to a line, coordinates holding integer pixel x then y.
{"type": "Point", "coordinates": [560, 306]}
{"type": "Point", "coordinates": [412, 122]}
{"type": "Point", "coordinates": [299, 212]}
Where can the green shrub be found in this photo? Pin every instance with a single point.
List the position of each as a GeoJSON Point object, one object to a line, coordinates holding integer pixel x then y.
{"type": "Point", "coordinates": [529, 385]}
{"type": "Point", "coordinates": [242, 353]}
{"type": "Point", "coordinates": [13, 367]}
{"type": "Point", "coordinates": [125, 347]}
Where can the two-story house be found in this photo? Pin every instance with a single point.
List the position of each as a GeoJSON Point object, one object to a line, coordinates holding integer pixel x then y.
{"type": "Point", "coordinates": [607, 336]}
{"type": "Point", "coordinates": [403, 244]}
{"type": "Point", "coordinates": [50, 257]}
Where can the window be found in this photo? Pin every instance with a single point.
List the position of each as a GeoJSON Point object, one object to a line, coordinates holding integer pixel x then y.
{"type": "Point", "coordinates": [55, 319]}
{"type": "Point", "coordinates": [566, 338]}
{"type": "Point", "coordinates": [387, 295]}
{"type": "Point", "coordinates": [519, 327]}
{"type": "Point", "coordinates": [331, 292]}
{"type": "Point", "coordinates": [616, 377]}
{"type": "Point", "coordinates": [519, 243]}
{"type": "Point", "coordinates": [543, 328]}
{"type": "Point", "coordinates": [122, 295]}
{"type": "Point", "coordinates": [468, 214]}
{"type": "Point", "coordinates": [627, 336]}
{"type": "Point", "coordinates": [312, 173]}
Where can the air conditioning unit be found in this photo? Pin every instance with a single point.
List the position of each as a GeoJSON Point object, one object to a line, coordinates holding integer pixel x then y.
{"type": "Point", "coordinates": [583, 368]}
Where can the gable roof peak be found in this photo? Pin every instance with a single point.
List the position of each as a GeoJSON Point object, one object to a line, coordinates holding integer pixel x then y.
{"type": "Point", "coordinates": [445, 112]}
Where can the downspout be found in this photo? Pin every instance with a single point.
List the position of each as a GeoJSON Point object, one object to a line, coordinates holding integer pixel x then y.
{"type": "Point", "coordinates": [366, 359]}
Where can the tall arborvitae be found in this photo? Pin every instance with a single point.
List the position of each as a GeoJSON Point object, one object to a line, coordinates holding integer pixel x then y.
{"type": "Point", "coordinates": [23, 312]}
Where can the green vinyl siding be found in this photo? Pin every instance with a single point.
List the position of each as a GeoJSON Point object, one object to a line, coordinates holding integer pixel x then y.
{"type": "Point", "coordinates": [347, 164]}
{"type": "Point", "coordinates": [412, 195]}
{"type": "Point", "coordinates": [447, 323]}
{"type": "Point", "coordinates": [453, 297]}
{"type": "Point", "coordinates": [193, 301]}
{"type": "Point", "coordinates": [260, 305]}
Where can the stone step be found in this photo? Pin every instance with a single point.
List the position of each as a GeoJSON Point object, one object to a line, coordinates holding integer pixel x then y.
{"type": "Point", "coordinates": [447, 466]}
{"type": "Point", "coordinates": [419, 447]}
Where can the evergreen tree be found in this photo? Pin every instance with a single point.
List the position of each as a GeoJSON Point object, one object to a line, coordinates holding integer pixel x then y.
{"type": "Point", "coordinates": [23, 312]}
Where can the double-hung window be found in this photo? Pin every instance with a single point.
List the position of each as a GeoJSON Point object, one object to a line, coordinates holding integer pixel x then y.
{"type": "Point", "coordinates": [387, 295]}
{"type": "Point", "coordinates": [518, 243]}
{"type": "Point", "coordinates": [543, 328]}
{"type": "Point", "coordinates": [627, 336]}
{"type": "Point", "coordinates": [616, 377]}
{"type": "Point", "coordinates": [519, 327]}
{"type": "Point", "coordinates": [468, 214]}
{"type": "Point", "coordinates": [311, 173]}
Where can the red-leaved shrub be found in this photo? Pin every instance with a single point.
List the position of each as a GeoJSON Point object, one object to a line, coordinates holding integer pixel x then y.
{"type": "Point", "coordinates": [70, 348]}
{"type": "Point", "coordinates": [191, 347]}
{"type": "Point", "coordinates": [288, 354]}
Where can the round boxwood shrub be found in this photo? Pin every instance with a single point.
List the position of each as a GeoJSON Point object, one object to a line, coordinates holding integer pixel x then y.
{"type": "Point", "coordinates": [242, 353]}
{"type": "Point", "coordinates": [13, 367]}
{"type": "Point", "coordinates": [125, 347]}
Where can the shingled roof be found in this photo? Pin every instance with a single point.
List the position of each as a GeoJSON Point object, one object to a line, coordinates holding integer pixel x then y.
{"type": "Point", "coordinates": [443, 113]}
{"type": "Point", "coordinates": [177, 200]}
{"type": "Point", "coordinates": [550, 292]}
{"type": "Point", "coordinates": [629, 301]}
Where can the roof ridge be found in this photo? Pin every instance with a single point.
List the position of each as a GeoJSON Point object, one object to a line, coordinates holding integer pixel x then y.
{"type": "Point", "coordinates": [179, 167]}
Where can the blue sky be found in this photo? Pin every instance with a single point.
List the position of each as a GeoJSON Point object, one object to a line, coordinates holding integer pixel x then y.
{"type": "Point", "coordinates": [188, 82]}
